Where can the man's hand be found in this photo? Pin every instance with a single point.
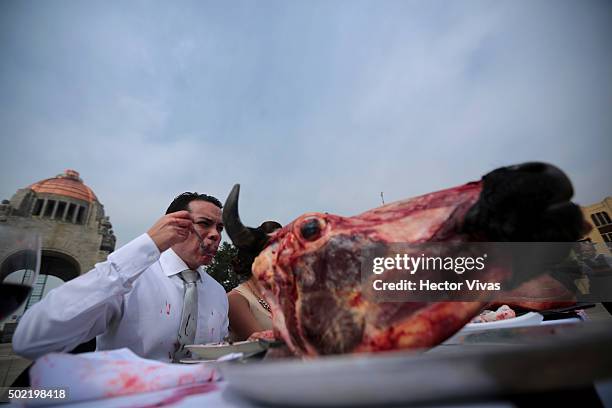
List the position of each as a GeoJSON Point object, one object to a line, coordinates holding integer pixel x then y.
{"type": "Point", "coordinates": [171, 229]}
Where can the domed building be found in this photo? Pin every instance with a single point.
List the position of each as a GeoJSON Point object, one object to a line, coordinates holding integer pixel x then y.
{"type": "Point", "coordinates": [76, 234]}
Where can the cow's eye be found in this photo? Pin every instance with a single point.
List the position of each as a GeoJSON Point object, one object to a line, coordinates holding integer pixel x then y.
{"type": "Point", "coordinates": [311, 229]}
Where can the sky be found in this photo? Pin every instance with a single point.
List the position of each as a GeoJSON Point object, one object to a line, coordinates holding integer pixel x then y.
{"type": "Point", "coordinates": [309, 105]}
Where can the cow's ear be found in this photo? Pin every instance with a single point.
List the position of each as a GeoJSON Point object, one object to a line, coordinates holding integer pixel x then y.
{"type": "Point", "coordinates": [270, 226]}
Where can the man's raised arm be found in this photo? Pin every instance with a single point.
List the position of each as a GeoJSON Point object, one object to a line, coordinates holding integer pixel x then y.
{"type": "Point", "coordinates": [84, 307]}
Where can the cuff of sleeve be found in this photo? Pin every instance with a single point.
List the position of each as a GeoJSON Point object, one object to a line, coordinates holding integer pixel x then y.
{"type": "Point", "coordinates": [133, 258]}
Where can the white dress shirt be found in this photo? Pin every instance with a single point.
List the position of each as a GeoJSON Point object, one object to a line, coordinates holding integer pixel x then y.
{"type": "Point", "coordinates": [133, 300]}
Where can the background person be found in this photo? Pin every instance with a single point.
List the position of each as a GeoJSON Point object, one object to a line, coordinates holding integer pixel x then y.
{"type": "Point", "coordinates": [248, 311]}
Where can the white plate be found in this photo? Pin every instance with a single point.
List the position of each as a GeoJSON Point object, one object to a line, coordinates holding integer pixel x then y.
{"type": "Point", "coordinates": [526, 320]}
{"type": "Point", "coordinates": [213, 351]}
{"type": "Point", "coordinates": [404, 377]}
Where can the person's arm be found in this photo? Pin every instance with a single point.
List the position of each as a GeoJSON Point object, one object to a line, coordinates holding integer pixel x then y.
{"type": "Point", "coordinates": [241, 319]}
{"type": "Point", "coordinates": [84, 307]}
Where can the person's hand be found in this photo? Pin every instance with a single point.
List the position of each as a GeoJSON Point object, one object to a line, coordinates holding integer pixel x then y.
{"type": "Point", "coordinates": [171, 229]}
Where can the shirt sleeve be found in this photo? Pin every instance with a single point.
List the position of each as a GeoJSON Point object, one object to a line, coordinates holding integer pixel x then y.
{"type": "Point", "coordinates": [84, 307]}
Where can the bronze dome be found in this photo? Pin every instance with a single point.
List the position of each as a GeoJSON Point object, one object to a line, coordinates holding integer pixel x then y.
{"type": "Point", "coordinates": [68, 184]}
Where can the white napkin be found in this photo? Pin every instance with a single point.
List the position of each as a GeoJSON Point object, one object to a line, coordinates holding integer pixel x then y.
{"type": "Point", "coordinates": [113, 373]}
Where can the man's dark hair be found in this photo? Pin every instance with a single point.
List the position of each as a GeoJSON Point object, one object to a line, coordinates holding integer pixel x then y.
{"type": "Point", "coordinates": [181, 202]}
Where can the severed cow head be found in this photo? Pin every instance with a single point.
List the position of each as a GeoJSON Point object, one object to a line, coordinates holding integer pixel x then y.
{"type": "Point", "coordinates": [310, 270]}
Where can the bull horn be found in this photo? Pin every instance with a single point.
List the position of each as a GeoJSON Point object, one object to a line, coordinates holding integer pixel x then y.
{"type": "Point", "coordinates": [240, 235]}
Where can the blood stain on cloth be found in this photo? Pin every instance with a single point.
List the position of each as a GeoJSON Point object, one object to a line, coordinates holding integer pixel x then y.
{"type": "Point", "coordinates": [186, 379]}
{"type": "Point", "coordinates": [168, 305]}
{"type": "Point", "coordinates": [127, 384]}
{"type": "Point", "coordinates": [48, 361]}
{"type": "Point", "coordinates": [178, 395]}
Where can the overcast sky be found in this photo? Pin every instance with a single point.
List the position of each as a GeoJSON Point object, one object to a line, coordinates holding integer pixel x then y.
{"type": "Point", "coordinates": [310, 105]}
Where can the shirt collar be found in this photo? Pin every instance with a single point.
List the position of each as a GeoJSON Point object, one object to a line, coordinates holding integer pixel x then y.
{"type": "Point", "coordinates": [172, 264]}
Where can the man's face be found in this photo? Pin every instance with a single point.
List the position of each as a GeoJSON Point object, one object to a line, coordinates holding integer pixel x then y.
{"type": "Point", "coordinates": [196, 251]}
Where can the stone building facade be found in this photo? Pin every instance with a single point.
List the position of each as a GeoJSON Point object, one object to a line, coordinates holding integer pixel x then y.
{"type": "Point", "coordinates": [76, 233]}
{"type": "Point", "coordinates": [599, 215]}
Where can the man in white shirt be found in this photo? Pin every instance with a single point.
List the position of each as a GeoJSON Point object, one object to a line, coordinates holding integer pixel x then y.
{"type": "Point", "coordinates": [135, 298]}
